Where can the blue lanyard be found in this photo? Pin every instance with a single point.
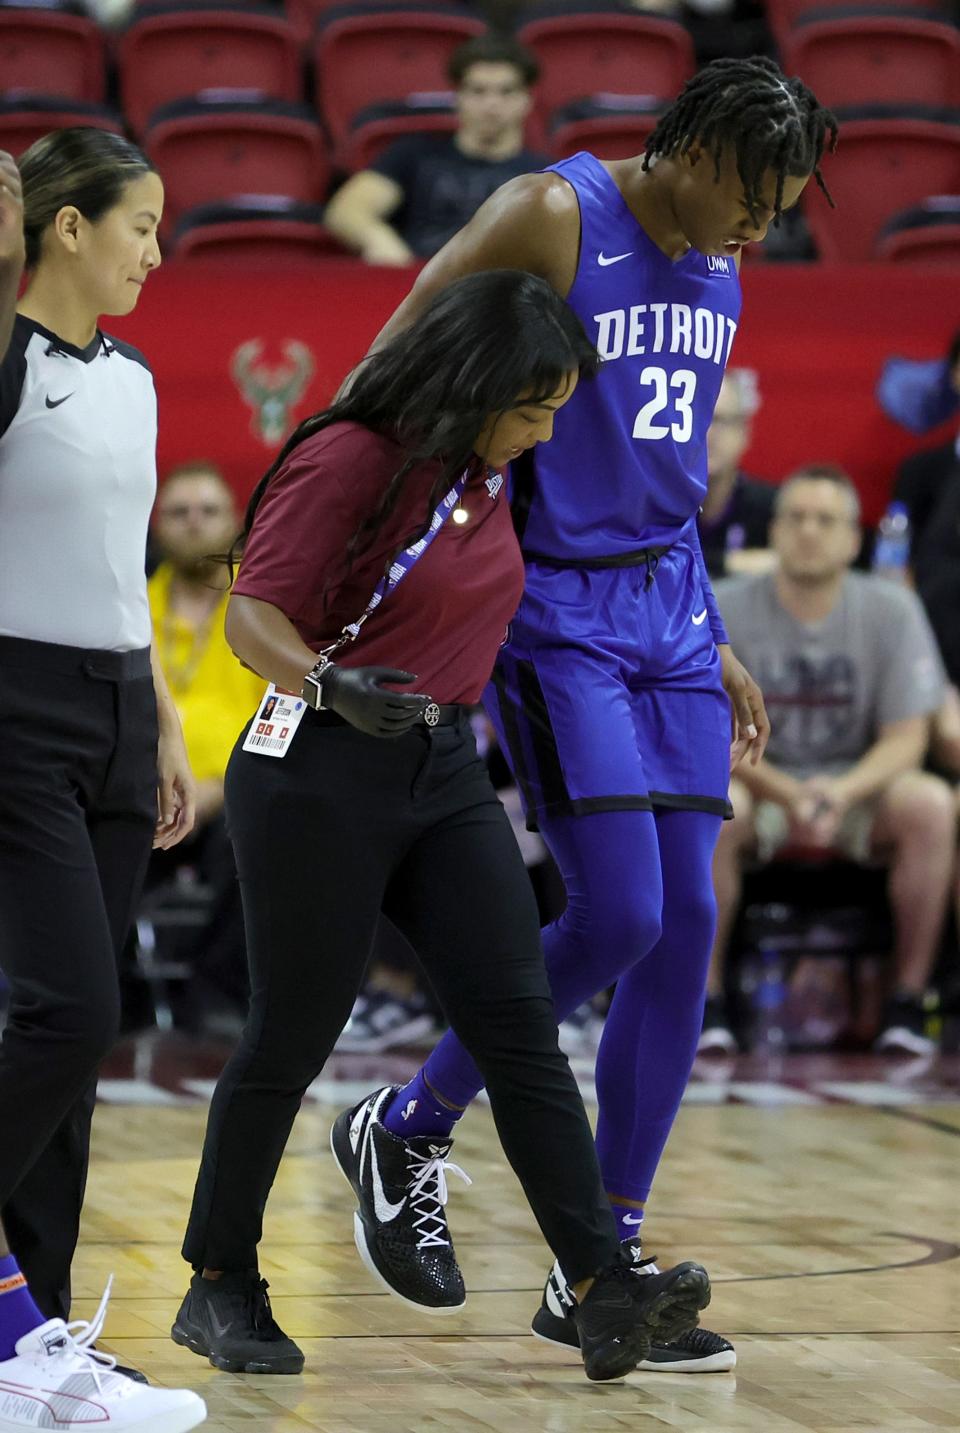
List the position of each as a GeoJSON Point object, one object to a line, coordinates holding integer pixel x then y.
{"type": "Point", "coordinates": [402, 564]}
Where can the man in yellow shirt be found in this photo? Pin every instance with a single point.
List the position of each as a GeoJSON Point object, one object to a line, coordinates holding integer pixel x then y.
{"type": "Point", "coordinates": [194, 521]}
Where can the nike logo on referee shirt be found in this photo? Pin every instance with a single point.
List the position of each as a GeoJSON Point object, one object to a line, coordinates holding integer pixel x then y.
{"type": "Point", "coordinates": [55, 402]}
{"type": "Point", "coordinates": [604, 261]}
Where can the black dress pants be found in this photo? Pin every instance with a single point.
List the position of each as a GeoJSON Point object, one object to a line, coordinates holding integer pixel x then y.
{"type": "Point", "coordinates": [78, 807]}
{"type": "Point", "coordinates": [342, 828]}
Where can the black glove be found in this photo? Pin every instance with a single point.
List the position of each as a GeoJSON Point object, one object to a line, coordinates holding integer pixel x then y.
{"type": "Point", "coordinates": [355, 694]}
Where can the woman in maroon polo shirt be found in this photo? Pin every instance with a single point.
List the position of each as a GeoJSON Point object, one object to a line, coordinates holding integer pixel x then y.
{"type": "Point", "coordinates": [399, 478]}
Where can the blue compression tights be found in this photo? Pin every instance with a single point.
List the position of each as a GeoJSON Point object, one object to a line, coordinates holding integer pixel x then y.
{"type": "Point", "coordinates": [641, 913]}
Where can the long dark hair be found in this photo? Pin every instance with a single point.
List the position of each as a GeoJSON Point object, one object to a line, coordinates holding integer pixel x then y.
{"type": "Point", "coordinates": [773, 123]}
{"type": "Point", "coordinates": [488, 343]}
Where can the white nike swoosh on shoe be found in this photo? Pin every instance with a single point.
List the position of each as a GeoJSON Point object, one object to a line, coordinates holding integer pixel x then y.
{"type": "Point", "coordinates": [605, 262]}
{"type": "Point", "coordinates": [699, 618]}
{"type": "Point", "coordinates": [385, 1211]}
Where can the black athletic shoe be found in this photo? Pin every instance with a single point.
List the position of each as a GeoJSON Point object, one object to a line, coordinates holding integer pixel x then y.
{"type": "Point", "coordinates": [698, 1351]}
{"type": "Point", "coordinates": [228, 1320]}
{"type": "Point", "coordinates": [622, 1314]}
{"type": "Point", "coordinates": [904, 1026]}
{"type": "Point", "coordinates": [716, 1037]}
{"type": "Point", "coordinates": [400, 1228]}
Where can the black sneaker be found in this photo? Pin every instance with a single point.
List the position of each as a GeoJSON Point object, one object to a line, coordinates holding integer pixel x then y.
{"type": "Point", "coordinates": [381, 1022]}
{"type": "Point", "coordinates": [698, 1351]}
{"type": "Point", "coordinates": [228, 1320]}
{"type": "Point", "coordinates": [400, 1228]}
{"type": "Point", "coordinates": [622, 1314]}
{"type": "Point", "coordinates": [716, 1037]}
{"type": "Point", "coordinates": [904, 1026]}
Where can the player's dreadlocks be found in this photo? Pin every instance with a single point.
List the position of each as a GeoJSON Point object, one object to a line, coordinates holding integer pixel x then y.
{"type": "Point", "coordinates": [774, 123]}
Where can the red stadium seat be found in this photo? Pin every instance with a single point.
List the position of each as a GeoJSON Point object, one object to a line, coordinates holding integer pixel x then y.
{"type": "Point", "coordinates": [608, 129]}
{"type": "Point", "coordinates": [304, 14]}
{"type": "Point", "coordinates": [877, 59]}
{"type": "Point", "coordinates": [883, 164]}
{"type": "Point", "coordinates": [928, 234]}
{"type": "Point", "coordinates": [380, 55]}
{"type": "Point", "coordinates": [602, 52]}
{"type": "Point", "coordinates": [52, 53]}
{"type": "Point", "coordinates": [783, 15]}
{"type": "Point", "coordinates": [377, 127]}
{"type": "Point", "coordinates": [249, 232]}
{"type": "Point", "coordinates": [208, 152]}
{"type": "Point", "coordinates": [22, 122]}
{"type": "Point", "coordinates": [169, 54]}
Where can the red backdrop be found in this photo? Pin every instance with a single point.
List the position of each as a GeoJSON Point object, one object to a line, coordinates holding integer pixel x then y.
{"type": "Point", "coordinates": [817, 337]}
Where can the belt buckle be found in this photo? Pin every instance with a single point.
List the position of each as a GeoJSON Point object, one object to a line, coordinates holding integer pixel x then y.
{"type": "Point", "coordinates": [431, 714]}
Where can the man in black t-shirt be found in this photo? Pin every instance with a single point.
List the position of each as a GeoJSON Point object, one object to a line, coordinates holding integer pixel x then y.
{"type": "Point", "coordinates": [426, 187]}
{"type": "Point", "coordinates": [737, 510]}
{"type": "Point", "coordinates": [928, 483]}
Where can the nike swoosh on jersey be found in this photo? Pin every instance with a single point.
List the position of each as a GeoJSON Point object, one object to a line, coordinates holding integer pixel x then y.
{"type": "Point", "coordinates": [605, 262]}
{"type": "Point", "coordinates": [55, 402]}
{"type": "Point", "coordinates": [699, 618]}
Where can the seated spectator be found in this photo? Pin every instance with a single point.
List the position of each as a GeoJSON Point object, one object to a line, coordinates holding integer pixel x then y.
{"type": "Point", "coordinates": [195, 521]}
{"type": "Point", "coordinates": [851, 676]}
{"type": "Point", "coordinates": [735, 517]}
{"type": "Point", "coordinates": [425, 187]}
{"type": "Point", "coordinates": [929, 486]}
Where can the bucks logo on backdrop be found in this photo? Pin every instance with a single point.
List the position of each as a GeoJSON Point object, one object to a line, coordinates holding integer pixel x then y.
{"type": "Point", "coordinates": [272, 390]}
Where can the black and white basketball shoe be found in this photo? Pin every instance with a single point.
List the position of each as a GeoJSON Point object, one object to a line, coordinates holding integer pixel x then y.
{"type": "Point", "coordinates": [400, 1227]}
{"type": "Point", "coordinates": [696, 1351]}
{"type": "Point", "coordinates": [619, 1317]}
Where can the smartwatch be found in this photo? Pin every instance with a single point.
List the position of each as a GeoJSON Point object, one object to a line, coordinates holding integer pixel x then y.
{"type": "Point", "coordinates": [312, 689]}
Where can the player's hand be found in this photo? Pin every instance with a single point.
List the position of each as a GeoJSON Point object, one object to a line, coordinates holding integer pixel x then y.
{"type": "Point", "coordinates": [749, 723]}
{"type": "Point", "coordinates": [11, 209]}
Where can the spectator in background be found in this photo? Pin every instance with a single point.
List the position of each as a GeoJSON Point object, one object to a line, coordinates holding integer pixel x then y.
{"type": "Point", "coordinates": [851, 676]}
{"type": "Point", "coordinates": [735, 517]}
{"type": "Point", "coordinates": [195, 521]}
{"type": "Point", "coordinates": [929, 487]}
{"type": "Point", "coordinates": [425, 187]}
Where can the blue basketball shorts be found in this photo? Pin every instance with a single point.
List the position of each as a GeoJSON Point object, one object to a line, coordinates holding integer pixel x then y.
{"type": "Point", "coordinates": [607, 694]}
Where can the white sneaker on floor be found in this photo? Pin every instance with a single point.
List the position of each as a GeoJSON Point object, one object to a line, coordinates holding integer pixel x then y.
{"type": "Point", "coordinates": [57, 1380]}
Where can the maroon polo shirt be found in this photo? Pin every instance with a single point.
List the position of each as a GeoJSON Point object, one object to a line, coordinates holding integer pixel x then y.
{"type": "Point", "coordinates": [446, 619]}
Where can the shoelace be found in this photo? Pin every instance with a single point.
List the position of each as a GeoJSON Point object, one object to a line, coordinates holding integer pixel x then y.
{"type": "Point", "coordinates": [428, 1195]}
{"type": "Point", "coordinates": [79, 1344]}
{"type": "Point", "coordinates": [258, 1303]}
{"type": "Point", "coordinates": [643, 1266]}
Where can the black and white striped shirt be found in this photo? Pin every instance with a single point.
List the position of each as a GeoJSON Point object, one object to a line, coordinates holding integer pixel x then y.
{"type": "Point", "coordinates": [78, 430]}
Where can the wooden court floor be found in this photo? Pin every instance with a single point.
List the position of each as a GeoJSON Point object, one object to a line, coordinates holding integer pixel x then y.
{"type": "Point", "coordinates": [832, 1234]}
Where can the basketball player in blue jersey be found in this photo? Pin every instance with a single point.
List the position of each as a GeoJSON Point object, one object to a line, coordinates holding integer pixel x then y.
{"type": "Point", "coordinates": [617, 699]}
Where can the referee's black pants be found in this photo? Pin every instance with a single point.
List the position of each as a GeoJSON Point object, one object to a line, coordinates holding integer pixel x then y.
{"type": "Point", "coordinates": [342, 827]}
{"type": "Point", "coordinates": [78, 808]}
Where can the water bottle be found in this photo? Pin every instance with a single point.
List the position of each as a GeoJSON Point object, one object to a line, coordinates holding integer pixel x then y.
{"type": "Point", "coordinates": [770, 998]}
{"type": "Point", "coordinates": [891, 551]}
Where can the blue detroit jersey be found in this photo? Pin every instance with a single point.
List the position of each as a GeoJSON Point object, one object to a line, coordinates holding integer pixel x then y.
{"type": "Point", "coordinates": [627, 465]}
